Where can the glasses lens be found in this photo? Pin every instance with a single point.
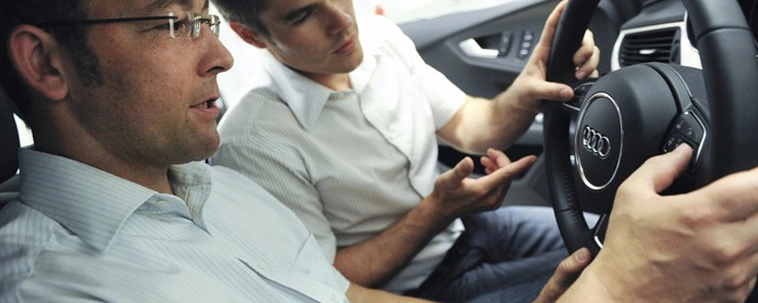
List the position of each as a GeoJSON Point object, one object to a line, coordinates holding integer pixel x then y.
{"type": "Point", "coordinates": [215, 24]}
{"type": "Point", "coordinates": [180, 25]}
{"type": "Point", "coordinates": [189, 25]}
{"type": "Point", "coordinates": [211, 20]}
{"type": "Point", "coordinates": [196, 25]}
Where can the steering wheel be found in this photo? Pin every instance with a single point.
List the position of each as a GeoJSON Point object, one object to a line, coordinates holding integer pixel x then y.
{"type": "Point", "coordinates": [619, 120]}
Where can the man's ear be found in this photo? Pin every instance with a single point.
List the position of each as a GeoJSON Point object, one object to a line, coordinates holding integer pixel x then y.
{"type": "Point", "coordinates": [248, 35]}
{"type": "Point", "coordinates": [38, 60]}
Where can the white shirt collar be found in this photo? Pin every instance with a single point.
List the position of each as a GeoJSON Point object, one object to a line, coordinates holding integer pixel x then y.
{"type": "Point", "coordinates": [93, 203]}
{"type": "Point", "coordinates": [305, 97]}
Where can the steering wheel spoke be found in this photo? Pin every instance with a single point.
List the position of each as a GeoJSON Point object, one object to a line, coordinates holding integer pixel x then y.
{"type": "Point", "coordinates": [598, 232]}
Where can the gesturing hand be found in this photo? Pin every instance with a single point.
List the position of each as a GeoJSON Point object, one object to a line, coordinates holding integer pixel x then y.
{"type": "Point", "coordinates": [456, 194]}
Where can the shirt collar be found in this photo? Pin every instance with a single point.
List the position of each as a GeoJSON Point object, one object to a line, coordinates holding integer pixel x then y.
{"type": "Point", "coordinates": [192, 183]}
{"type": "Point", "coordinates": [91, 203]}
{"type": "Point", "coordinates": [305, 97]}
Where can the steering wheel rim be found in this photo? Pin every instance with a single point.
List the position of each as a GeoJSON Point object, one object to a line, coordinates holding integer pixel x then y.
{"type": "Point", "coordinates": [725, 44]}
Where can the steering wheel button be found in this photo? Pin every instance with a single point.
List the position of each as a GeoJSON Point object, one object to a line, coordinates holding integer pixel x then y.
{"type": "Point", "coordinates": [681, 124]}
{"type": "Point", "coordinates": [672, 141]}
{"type": "Point", "coordinates": [689, 132]}
{"type": "Point", "coordinates": [692, 129]}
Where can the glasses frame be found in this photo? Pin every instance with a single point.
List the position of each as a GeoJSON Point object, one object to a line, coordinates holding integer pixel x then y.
{"type": "Point", "coordinates": [195, 24]}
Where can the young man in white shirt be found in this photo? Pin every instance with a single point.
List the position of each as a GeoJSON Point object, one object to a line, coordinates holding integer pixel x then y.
{"type": "Point", "coordinates": [347, 115]}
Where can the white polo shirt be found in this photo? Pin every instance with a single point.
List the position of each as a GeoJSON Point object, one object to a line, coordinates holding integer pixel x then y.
{"type": "Point", "coordinates": [348, 163]}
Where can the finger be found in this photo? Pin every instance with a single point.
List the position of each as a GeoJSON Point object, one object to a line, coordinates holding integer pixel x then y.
{"type": "Point", "coordinates": [736, 293]}
{"type": "Point", "coordinates": [589, 67]}
{"type": "Point", "coordinates": [499, 156]}
{"type": "Point", "coordinates": [453, 177]}
{"type": "Point", "coordinates": [493, 160]}
{"type": "Point", "coordinates": [744, 292]}
{"type": "Point", "coordinates": [489, 165]}
{"type": "Point", "coordinates": [742, 242]}
{"type": "Point", "coordinates": [660, 171]}
{"type": "Point", "coordinates": [553, 91]}
{"type": "Point", "coordinates": [505, 173]}
{"type": "Point", "coordinates": [735, 196]}
{"type": "Point", "coordinates": [751, 286]}
{"type": "Point", "coordinates": [585, 50]}
{"type": "Point", "coordinates": [587, 56]}
{"type": "Point", "coordinates": [595, 60]}
{"type": "Point", "coordinates": [567, 272]}
{"type": "Point", "coordinates": [546, 38]}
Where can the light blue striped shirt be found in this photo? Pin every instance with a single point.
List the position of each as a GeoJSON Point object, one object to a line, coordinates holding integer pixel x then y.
{"type": "Point", "coordinates": [77, 233]}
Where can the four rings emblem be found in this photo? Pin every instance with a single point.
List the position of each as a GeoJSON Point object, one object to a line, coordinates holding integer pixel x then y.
{"type": "Point", "coordinates": [596, 142]}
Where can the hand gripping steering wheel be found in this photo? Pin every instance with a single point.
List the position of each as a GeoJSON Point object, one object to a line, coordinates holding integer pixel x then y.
{"type": "Point", "coordinates": [616, 122]}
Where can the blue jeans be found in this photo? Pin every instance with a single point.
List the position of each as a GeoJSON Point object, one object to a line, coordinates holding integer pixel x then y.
{"type": "Point", "coordinates": [505, 255]}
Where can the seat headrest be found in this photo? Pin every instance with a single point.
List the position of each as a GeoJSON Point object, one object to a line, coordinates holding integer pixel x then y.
{"type": "Point", "coordinates": [10, 142]}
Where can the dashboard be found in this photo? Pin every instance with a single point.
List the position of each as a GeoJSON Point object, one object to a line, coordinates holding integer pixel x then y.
{"type": "Point", "coordinates": [660, 32]}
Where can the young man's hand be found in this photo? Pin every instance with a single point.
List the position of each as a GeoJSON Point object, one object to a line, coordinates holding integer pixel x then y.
{"type": "Point", "coordinates": [531, 86]}
{"type": "Point", "coordinates": [456, 194]}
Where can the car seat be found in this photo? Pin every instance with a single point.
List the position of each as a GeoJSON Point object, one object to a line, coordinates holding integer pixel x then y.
{"type": "Point", "coordinates": [8, 150]}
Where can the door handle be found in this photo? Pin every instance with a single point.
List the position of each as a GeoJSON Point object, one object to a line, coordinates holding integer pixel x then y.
{"type": "Point", "coordinates": [472, 48]}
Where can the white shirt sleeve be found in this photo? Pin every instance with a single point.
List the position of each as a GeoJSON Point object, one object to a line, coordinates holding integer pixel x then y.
{"type": "Point", "coordinates": [444, 97]}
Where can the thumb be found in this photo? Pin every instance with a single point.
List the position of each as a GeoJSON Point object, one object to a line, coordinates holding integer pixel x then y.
{"type": "Point", "coordinates": [565, 275]}
{"type": "Point", "coordinates": [460, 171]}
{"type": "Point", "coordinates": [553, 91]}
{"type": "Point", "coordinates": [659, 172]}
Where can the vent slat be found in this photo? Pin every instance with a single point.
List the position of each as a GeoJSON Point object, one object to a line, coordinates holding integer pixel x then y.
{"type": "Point", "coordinates": [654, 39]}
{"type": "Point", "coordinates": [647, 47]}
{"type": "Point", "coordinates": [637, 54]}
{"type": "Point", "coordinates": [650, 45]}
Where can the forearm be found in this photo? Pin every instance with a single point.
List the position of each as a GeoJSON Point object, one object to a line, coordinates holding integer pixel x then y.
{"type": "Point", "coordinates": [586, 289]}
{"type": "Point", "coordinates": [602, 282]}
{"type": "Point", "coordinates": [372, 262]}
{"type": "Point", "coordinates": [481, 124]}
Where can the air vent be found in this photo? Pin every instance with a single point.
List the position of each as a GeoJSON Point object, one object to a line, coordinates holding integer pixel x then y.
{"type": "Point", "coordinates": [653, 46]}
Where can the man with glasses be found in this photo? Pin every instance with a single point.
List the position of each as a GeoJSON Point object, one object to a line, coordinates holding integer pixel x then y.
{"type": "Point", "coordinates": [113, 205]}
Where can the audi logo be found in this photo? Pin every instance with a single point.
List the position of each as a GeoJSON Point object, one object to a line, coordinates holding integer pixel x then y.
{"type": "Point", "coordinates": [596, 142]}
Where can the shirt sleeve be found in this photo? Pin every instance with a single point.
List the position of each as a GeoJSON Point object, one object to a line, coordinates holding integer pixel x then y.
{"type": "Point", "coordinates": [444, 97]}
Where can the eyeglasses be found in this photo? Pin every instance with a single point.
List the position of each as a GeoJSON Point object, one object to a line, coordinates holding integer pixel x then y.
{"type": "Point", "coordinates": [180, 25]}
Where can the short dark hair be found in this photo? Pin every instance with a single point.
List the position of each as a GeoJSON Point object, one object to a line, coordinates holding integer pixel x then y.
{"type": "Point", "coordinates": [245, 12]}
{"type": "Point", "coordinates": [73, 38]}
